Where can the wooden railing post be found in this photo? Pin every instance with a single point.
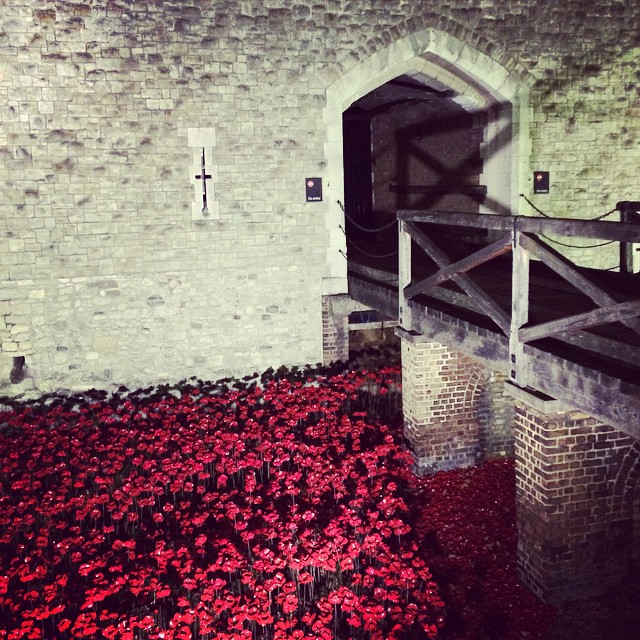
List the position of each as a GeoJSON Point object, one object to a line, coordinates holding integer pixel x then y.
{"type": "Point", "coordinates": [404, 275]}
{"type": "Point", "coordinates": [629, 214]}
{"type": "Point", "coordinates": [519, 308]}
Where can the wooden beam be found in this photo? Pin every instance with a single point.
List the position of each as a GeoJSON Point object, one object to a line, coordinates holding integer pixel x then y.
{"type": "Point", "coordinates": [616, 231]}
{"type": "Point", "coordinates": [612, 349]}
{"type": "Point", "coordinates": [566, 270]}
{"type": "Point", "coordinates": [404, 275]}
{"type": "Point", "coordinates": [614, 313]}
{"type": "Point", "coordinates": [483, 301]}
{"type": "Point", "coordinates": [600, 229]}
{"type": "Point", "coordinates": [518, 372]}
{"type": "Point", "coordinates": [628, 214]}
{"type": "Point", "coordinates": [368, 284]}
{"type": "Point", "coordinates": [613, 401]}
{"type": "Point", "coordinates": [378, 296]}
{"type": "Point", "coordinates": [616, 402]}
{"type": "Point", "coordinates": [491, 348]}
{"type": "Point", "coordinates": [475, 220]}
{"type": "Point", "coordinates": [498, 248]}
{"type": "Point", "coordinates": [385, 278]}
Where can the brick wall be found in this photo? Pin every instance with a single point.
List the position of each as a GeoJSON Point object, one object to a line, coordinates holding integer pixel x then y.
{"type": "Point", "coordinates": [496, 412]}
{"type": "Point", "coordinates": [335, 333]}
{"type": "Point", "coordinates": [110, 272]}
{"type": "Point", "coordinates": [577, 479]}
{"type": "Point", "coordinates": [575, 502]}
{"type": "Point", "coordinates": [449, 404]}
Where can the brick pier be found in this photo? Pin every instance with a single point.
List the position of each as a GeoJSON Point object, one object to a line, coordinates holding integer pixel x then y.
{"type": "Point", "coordinates": [576, 478]}
{"type": "Point", "coordinates": [335, 330]}
{"type": "Point", "coordinates": [575, 481]}
{"type": "Point", "coordinates": [456, 412]}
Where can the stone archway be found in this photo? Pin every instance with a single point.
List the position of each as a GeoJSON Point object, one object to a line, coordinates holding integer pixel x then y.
{"type": "Point", "coordinates": [481, 86]}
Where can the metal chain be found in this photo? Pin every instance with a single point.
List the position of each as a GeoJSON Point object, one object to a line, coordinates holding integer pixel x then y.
{"type": "Point", "coordinates": [361, 250]}
{"type": "Point", "coordinates": [578, 246]}
{"type": "Point", "coordinates": [542, 213]}
{"type": "Point", "coordinates": [565, 244]}
{"type": "Point", "coordinates": [357, 225]}
{"type": "Point", "coordinates": [372, 255]}
{"type": "Point", "coordinates": [370, 229]}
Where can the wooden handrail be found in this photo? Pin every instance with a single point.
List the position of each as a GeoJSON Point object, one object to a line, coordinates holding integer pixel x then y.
{"type": "Point", "coordinates": [601, 229]}
{"type": "Point", "coordinates": [579, 321]}
{"type": "Point", "coordinates": [521, 240]}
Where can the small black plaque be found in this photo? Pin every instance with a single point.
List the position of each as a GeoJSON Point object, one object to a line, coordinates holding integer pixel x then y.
{"type": "Point", "coordinates": [314, 189]}
{"type": "Point", "coordinates": [540, 182]}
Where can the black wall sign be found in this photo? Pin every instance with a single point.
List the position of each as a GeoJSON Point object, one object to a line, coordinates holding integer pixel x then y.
{"type": "Point", "coordinates": [540, 182]}
{"type": "Point", "coordinates": [314, 189]}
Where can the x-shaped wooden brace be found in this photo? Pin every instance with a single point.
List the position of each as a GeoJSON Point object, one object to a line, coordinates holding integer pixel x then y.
{"type": "Point", "coordinates": [457, 272]}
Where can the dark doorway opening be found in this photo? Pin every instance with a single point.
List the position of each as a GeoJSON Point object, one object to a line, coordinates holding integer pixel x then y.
{"type": "Point", "coordinates": [358, 186]}
{"type": "Point", "coordinates": [406, 145]}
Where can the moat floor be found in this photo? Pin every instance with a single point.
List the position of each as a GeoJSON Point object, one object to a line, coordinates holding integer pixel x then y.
{"type": "Point", "coordinates": [614, 616]}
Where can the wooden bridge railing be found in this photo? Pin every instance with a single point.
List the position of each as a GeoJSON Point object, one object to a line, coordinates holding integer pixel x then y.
{"type": "Point", "coordinates": [521, 238]}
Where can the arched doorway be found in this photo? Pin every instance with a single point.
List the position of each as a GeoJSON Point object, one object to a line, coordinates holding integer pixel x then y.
{"type": "Point", "coordinates": [406, 145]}
{"type": "Point", "coordinates": [474, 84]}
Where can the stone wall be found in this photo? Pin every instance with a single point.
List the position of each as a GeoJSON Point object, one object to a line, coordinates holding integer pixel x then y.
{"type": "Point", "coordinates": [112, 273]}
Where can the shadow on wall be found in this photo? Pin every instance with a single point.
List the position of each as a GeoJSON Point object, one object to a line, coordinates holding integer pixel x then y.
{"type": "Point", "coordinates": [409, 146]}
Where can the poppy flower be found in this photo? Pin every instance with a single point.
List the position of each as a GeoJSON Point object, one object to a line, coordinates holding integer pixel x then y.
{"type": "Point", "coordinates": [203, 509]}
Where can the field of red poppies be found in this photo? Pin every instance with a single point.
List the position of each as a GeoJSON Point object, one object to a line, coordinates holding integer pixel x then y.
{"type": "Point", "coordinates": [278, 507]}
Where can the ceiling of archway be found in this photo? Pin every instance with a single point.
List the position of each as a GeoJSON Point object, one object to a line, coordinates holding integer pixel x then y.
{"type": "Point", "coordinates": [406, 92]}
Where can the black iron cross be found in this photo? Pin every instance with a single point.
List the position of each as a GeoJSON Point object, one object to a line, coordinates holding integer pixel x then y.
{"type": "Point", "coordinates": [204, 176]}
